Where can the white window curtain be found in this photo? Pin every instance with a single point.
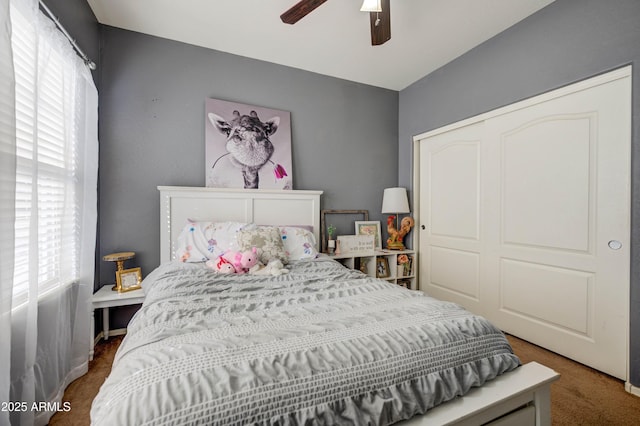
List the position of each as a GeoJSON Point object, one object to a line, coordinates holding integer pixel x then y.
{"type": "Point", "coordinates": [48, 212]}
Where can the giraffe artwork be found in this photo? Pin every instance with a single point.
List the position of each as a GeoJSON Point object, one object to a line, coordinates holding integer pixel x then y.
{"type": "Point", "coordinates": [247, 146]}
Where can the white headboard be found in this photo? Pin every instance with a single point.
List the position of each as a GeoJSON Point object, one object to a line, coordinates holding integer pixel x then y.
{"type": "Point", "coordinates": [260, 206]}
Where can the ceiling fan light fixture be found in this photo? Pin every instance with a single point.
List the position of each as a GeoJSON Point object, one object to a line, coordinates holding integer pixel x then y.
{"type": "Point", "coordinates": [371, 6]}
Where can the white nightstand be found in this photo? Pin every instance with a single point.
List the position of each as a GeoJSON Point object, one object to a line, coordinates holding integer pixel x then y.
{"type": "Point", "coordinates": [106, 298]}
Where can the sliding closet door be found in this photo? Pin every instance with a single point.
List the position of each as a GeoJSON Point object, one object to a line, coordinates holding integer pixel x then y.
{"type": "Point", "coordinates": [535, 205]}
{"type": "Point", "coordinates": [451, 242]}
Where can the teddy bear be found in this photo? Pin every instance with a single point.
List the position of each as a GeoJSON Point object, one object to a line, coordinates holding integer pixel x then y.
{"type": "Point", "coordinates": [274, 267]}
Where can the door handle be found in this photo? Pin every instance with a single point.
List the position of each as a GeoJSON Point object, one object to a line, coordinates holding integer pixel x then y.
{"type": "Point", "coordinates": [614, 245]}
{"type": "Point", "coordinates": [423, 227]}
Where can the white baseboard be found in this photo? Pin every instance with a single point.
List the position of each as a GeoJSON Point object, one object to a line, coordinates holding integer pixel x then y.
{"type": "Point", "coordinates": [634, 390]}
{"type": "Point", "coordinates": [116, 332]}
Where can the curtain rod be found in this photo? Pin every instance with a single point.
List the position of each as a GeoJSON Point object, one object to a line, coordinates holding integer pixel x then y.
{"type": "Point", "coordinates": [88, 62]}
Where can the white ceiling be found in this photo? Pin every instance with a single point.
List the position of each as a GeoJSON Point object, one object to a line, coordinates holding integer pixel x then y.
{"type": "Point", "coordinates": [334, 39]}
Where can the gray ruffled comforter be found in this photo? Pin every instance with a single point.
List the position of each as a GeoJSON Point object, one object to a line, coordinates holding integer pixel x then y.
{"type": "Point", "coordinates": [321, 345]}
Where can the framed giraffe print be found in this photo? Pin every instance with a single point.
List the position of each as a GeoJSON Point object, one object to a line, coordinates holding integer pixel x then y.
{"type": "Point", "coordinates": [247, 146]}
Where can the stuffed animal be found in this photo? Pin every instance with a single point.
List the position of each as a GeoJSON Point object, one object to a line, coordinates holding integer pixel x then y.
{"type": "Point", "coordinates": [241, 261]}
{"type": "Point", "coordinates": [274, 267]}
{"type": "Point", "coordinates": [221, 266]}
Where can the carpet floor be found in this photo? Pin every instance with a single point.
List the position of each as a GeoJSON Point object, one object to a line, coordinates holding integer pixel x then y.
{"type": "Point", "coordinates": [582, 395]}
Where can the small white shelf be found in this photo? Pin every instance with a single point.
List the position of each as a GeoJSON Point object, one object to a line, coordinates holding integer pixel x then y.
{"type": "Point", "coordinates": [370, 263]}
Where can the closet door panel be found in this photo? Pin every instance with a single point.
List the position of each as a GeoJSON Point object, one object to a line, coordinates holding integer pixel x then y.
{"type": "Point", "coordinates": [451, 266]}
{"type": "Point", "coordinates": [562, 190]}
{"type": "Point", "coordinates": [526, 215]}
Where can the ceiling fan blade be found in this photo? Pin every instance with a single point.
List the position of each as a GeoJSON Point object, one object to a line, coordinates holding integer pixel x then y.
{"type": "Point", "coordinates": [300, 10]}
{"type": "Point", "coordinates": [381, 25]}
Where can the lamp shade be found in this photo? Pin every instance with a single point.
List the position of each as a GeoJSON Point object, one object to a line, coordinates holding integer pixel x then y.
{"type": "Point", "coordinates": [371, 6]}
{"type": "Point", "coordinates": [394, 200]}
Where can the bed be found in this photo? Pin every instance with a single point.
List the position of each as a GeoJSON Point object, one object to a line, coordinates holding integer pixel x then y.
{"type": "Point", "coordinates": [315, 344]}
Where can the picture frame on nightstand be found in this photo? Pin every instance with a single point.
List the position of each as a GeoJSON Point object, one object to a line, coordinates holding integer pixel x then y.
{"type": "Point", "coordinates": [129, 279]}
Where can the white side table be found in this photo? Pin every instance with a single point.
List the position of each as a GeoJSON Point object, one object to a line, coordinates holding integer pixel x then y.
{"type": "Point", "coordinates": [106, 298]}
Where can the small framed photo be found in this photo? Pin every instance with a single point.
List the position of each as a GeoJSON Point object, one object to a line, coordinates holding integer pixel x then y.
{"type": "Point", "coordinates": [382, 267]}
{"type": "Point", "coordinates": [128, 279]}
{"type": "Point", "coordinates": [366, 227]}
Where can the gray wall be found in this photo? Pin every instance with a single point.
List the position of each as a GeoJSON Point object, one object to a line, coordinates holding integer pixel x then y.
{"type": "Point", "coordinates": [153, 92]}
{"type": "Point", "coordinates": [567, 41]}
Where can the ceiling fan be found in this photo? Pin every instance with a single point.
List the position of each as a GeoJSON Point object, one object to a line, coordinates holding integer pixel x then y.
{"type": "Point", "coordinates": [380, 18]}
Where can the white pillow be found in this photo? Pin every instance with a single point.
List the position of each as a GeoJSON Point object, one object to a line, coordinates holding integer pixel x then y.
{"type": "Point", "coordinates": [299, 243]}
{"type": "Point", "coordinates": [201, 241]}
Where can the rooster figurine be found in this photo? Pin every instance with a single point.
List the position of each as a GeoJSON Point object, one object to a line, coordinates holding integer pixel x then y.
{"type": "Point", "coordinates": [394, 242]}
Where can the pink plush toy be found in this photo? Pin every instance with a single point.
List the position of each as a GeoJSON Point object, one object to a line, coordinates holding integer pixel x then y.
{"type": "Point", "coordinates": [241, 261]}
{"type": "Point", "coordinates": [223, 266]}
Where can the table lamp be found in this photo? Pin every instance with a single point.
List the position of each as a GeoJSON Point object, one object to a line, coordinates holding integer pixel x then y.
{"type": "Point", "coordinates": [394, 201]}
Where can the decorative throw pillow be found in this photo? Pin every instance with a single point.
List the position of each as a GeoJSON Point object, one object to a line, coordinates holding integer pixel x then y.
{"type": "Point", "coordinates": [266, 239]}
{"type": "Point", "coordinates": [299, 243]}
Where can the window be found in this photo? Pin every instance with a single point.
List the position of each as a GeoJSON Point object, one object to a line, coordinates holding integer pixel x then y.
{"type": "Point", "coordinates": [47, 219]}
